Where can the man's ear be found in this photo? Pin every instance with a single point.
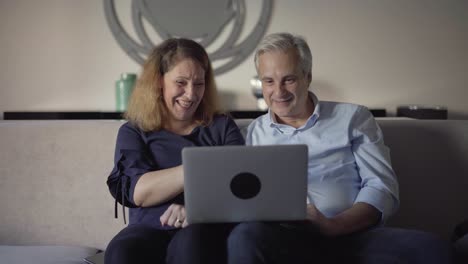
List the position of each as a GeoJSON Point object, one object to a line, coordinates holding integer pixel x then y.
{"type": "Point", "coordinates": [309, 78]}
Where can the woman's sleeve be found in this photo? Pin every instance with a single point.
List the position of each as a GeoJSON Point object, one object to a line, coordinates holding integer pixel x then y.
{"type": "Point", "coordinates": [232, 134]}
{"type": "Point", "coordinates": [132, 159]}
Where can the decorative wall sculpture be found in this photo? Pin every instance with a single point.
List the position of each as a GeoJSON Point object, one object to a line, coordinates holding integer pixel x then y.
{"type": "Point", "coordinates": [201, 20]}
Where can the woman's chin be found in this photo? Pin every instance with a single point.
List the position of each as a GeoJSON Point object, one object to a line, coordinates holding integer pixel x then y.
{"type": "Point", "coordinates": [184, 116]}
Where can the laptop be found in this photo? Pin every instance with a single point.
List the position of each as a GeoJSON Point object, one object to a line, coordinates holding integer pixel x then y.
{"type": "Point", "coordinates": [245, 183]}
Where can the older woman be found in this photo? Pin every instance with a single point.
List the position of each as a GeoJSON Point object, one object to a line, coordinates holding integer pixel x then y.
{"type": "Point", "coordinates": [174, 105]}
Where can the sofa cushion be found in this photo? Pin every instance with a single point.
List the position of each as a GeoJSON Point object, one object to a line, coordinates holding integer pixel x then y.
{"type": "Point", "coordinates": [53, 182]}
{"type": "Point", "coordinates": [44, 254]}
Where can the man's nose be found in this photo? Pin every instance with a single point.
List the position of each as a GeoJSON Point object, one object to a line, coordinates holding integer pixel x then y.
{"type": "Point", "coordinates": [278, 88]}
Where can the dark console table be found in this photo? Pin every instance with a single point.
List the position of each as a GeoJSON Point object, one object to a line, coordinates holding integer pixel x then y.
{"type": "Point", "coordinates": [118, 115]}
{"type": "Point", "coordinates": [98, 115]}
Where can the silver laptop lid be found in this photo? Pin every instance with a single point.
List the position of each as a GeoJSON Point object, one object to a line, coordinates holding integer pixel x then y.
{"type": "Point", "coordinates": [245, 183]}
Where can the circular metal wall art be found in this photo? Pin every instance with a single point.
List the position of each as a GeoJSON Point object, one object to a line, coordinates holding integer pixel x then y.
{"type": "Point", "coordinates": [201, 20]}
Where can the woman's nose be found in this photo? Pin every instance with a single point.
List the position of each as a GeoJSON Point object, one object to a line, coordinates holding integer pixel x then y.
{"type": "Point", "coordinates": [189, 89]}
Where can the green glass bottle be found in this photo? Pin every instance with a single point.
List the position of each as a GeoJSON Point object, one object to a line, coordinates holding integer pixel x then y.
{"type": "Point", "coordinates": [123, 90]}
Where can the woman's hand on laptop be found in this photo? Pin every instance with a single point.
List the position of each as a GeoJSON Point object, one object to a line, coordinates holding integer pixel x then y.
{"type": "Point", "coordinates": [174, 216]}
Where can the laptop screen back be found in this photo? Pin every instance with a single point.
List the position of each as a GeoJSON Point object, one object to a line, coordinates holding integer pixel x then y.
{"type": "Point", "coordinates": [245, 183]}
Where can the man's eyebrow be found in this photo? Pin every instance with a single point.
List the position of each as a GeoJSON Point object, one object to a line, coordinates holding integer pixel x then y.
{"type": "Point", "coordinates": [290, 76]}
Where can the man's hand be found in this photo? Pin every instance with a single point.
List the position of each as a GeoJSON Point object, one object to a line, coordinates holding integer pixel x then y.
{"type": "Point", "coordinates": [359, 217]}
{"type": "Point", "coordinates": [174, 216]}
{"type": "Point", "coordinates": [325, 225]}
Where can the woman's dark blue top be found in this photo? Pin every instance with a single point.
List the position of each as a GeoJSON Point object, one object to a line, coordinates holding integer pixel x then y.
{"type": "Point", "coordinates": [138, 152]}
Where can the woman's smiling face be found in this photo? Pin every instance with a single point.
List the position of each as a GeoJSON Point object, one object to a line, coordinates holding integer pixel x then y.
{"type": "Point", "coordinates": [183, 88]}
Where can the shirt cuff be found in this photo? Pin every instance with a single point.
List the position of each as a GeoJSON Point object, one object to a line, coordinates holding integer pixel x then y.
{"type": "Point", "coordinates": [379, 199]}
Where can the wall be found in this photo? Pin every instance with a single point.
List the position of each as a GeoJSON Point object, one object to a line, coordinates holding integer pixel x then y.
{"type": "Point", "coordinates": [60, 54]}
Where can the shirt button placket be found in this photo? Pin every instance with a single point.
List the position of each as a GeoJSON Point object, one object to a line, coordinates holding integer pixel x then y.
{"type": "Point", "coordinates": [295, 137]}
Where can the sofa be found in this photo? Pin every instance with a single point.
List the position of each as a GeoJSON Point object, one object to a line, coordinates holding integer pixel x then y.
{"type": "Point", "coordinates": [55, 206]}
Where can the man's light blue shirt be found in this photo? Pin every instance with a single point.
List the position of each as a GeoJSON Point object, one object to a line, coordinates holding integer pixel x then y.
{"type": "Point", "coordinates": [348, 161]}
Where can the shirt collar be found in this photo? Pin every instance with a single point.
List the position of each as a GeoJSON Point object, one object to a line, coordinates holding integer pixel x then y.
{"type": "Point", "coordinates": [309, 123]}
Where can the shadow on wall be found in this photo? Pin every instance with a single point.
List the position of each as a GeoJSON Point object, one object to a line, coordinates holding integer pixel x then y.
{"type": "Point", "coordinates": [324, 90]}
{"type": "Point", "coordinates": [457, 115]}
{"type": "Point", "coordinates": [228, 100]}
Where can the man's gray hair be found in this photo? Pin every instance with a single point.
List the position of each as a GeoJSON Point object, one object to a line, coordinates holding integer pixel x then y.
{"type": "Point", "coordinates": [284, 42]}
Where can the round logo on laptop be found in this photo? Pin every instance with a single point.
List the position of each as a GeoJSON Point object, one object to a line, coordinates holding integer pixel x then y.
{"type": "Point", "coordinates": [245, 185]}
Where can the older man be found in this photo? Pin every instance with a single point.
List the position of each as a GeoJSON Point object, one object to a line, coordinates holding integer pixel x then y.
{"type": "Point", "coordinates": [352, 188]}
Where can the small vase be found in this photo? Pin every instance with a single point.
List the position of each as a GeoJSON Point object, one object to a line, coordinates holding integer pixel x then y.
{"type": "Point", "coordinates": [123, 90]}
